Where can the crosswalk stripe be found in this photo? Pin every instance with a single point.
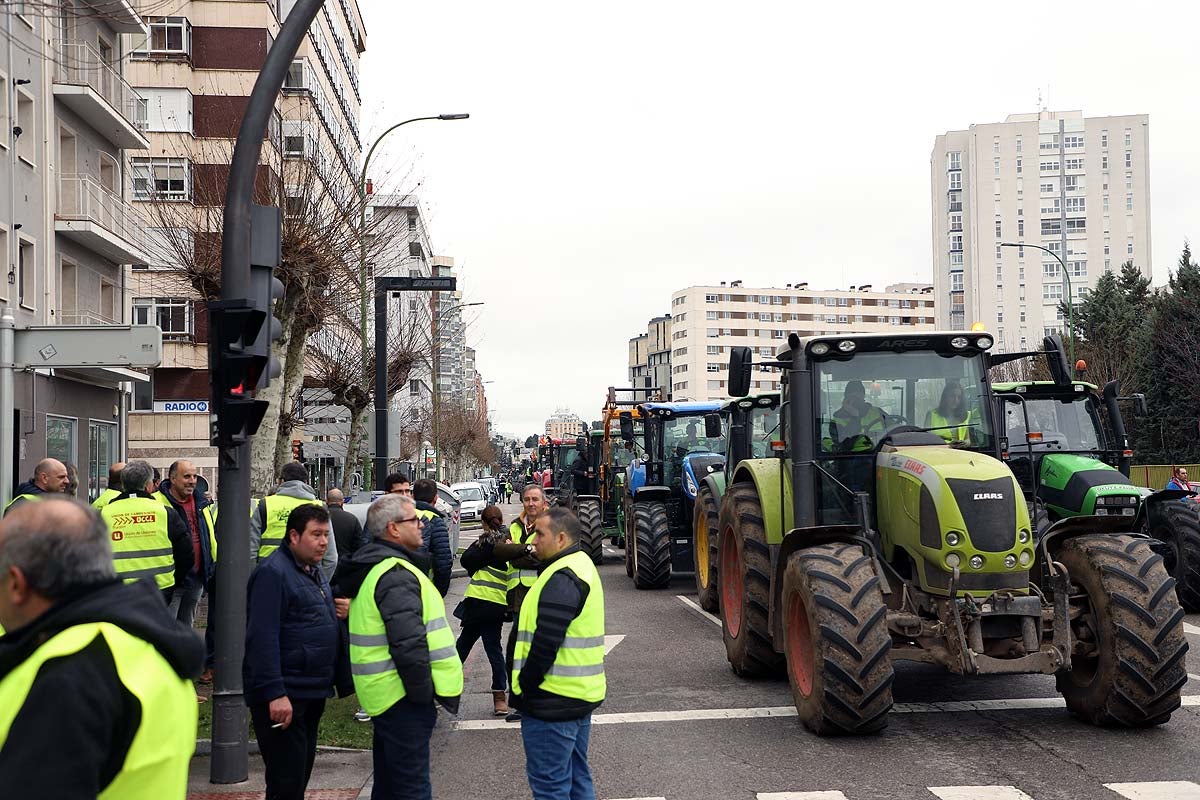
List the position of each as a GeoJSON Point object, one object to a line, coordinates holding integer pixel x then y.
{"type": "Point", "coordinates": [1192, 629]}
{"type": "Point", "coordinates": [1157, 790]}
{"type": "Point", "coordinates": [611, 640]}
{"type": "Point", "coordinates": [800, 796]}
{"type": "Point", "coordinates": [979, 793]}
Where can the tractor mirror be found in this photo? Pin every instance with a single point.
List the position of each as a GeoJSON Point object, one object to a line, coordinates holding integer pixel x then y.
{"type": "Point", "coordinates": [1140, 409]}
{"type": "Point", "coordinates": [627, 427]}
{"type": "Point", "coordinates": [712, 426]}
{"type": "Point", "coordinates": [739, 371]}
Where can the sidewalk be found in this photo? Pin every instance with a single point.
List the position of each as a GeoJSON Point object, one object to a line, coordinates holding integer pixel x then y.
{"type": "Point", "coordinates": [337, 775]}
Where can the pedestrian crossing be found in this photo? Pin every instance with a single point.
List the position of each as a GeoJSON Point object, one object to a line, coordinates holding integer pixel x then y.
{"type": "Point", "coordinates": [1138, 790]}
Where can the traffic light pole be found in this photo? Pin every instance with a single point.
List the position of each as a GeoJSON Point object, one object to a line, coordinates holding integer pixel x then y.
{"type": "Point", "coordinates": [230, 754]}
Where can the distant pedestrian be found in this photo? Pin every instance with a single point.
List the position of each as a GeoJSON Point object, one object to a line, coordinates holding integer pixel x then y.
{"type": "Point", "coordinates": [347, 530]}
{"type": "Point", "coordinates": [1179, 479]}
{"type": "Point", "coordinates": [113, 488]}
{"type": "Point", "coordinates": [95, 680]}
{"type": "Point", "coordinates": [558, 669]}
{"type": "Point", "coordinates": [508, 490]}
{"type": "Point", "coordinates": [435, 533]}
{"type": "Point", "coordinates": [484, 602]}
{"type": "Point", "coordinates": [268, 520]}
{"type": "Point", "coordinates": [49, 477]}
{"type": "Point", "coordinates": [402, 651]}
{"type": "Point", "coordinates": [292, 651]}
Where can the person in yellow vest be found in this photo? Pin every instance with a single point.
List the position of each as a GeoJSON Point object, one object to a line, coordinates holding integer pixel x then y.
{"type": "Point", "coordinates": [558, 671]}
{"type": "Point", "coordinates": [402, 654]}
{"type": "Point", "coordinates": [114, 486]}
{"type": "Point", "coordinates": [523, 568]}
{"type": "Point", "coordinates": [96, 697]}
{"type": "Point", "coordinates": [950, 419]}
{"type": "Point", "coordinates": [149, 540]}
{"type": "Point", "coordinates": [268, 520]}
{"type": "Point", "coordinates": [49, 477]}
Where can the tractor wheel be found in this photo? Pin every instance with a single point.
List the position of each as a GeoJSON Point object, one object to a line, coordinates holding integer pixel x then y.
{"type": "Point", "coordinates": [593, 534]}
{"type": "Point", "coordinates": [705, 525]}
{"type": "Point", "coordinates": [744, 578]}
{"type": "Point", "coordinates": [651, 546]}
{"type": "Point", "coordinates": [835, 626]}
{"type": "Point", "coordinates": [1181, 531]}
{"type": "Point", "coordinates": [1133, 618]}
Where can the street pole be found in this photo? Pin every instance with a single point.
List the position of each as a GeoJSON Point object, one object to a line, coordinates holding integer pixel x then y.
{"type": "Point", "coordinates": [1070, 294]}
{"type": "Point", "coordinates": [8, 347]}
{"type": "Point", "coordinates": [437, 453]}
{"type": "Point", "coordinates": [230, 754]}
{"type": "Point", "coordinates": [381, 395]}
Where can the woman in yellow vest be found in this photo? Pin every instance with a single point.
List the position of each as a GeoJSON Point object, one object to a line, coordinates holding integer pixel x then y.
{"type": "Point", "coordinates": [951, 420]}
{"type": "Point", "coordinates": [86, 652]}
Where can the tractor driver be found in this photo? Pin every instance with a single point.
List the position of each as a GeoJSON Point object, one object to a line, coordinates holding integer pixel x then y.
{"type": "Point", "coordinates": [855, 425]}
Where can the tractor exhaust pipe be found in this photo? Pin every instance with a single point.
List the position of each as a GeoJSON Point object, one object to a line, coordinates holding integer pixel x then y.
{"type": "Point", "coordinates": [1111, 391]}
{"type": "Point", "coordinates": [800, 420]}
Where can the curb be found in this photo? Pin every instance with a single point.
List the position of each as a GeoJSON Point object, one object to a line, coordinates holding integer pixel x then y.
{"type": "Point", "coordinates": [204, 748]}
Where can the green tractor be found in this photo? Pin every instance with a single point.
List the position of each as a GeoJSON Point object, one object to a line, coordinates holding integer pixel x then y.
{"type": "Point", "coordinates": [880, 534]}
{"type": "Point", "coordinates": [1071, 436]}
{"type": "Point", "coordinates": [589, 504]}
{"type": "Point", "coordinates": [753, 422]}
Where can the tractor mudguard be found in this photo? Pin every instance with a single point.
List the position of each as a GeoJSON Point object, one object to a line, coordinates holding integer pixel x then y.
{"type": "Point", "coordinates": [1070, 527]}
{"type": "Point", "coordinates": [716, 485]}
{"type": "Point", "coordinates": [1150, 513]}
{"type": "Point", "coordinates": [649, 493]}
{"type": "Point", "coordinates": [774, 486]}
{"type": "Point", "coordinates": [595, 497]}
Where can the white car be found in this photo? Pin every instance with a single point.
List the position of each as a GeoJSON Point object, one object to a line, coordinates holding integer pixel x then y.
{"type": "Point", "coordinates": [473, 498]}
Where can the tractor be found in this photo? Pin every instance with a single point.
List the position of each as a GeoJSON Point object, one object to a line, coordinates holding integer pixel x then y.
{"type": "Point", "coordinates": [877, 533]}
{"type": "Point", "coordinates": [588, 504]}
{"type": "Point", "coordinates": [1056, 430]}
{"type": "Point", "coordinates": [683, 444]}
{"type": "Point", "coordinates": [753, 423]}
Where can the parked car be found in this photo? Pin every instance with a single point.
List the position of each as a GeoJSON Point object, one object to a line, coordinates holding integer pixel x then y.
{"type": "Point", "coordinates": [489, 488]}
{"type": "Point", "coordinates": [473, 497]}
{"type": "Point", "coordinates": [447, 503]}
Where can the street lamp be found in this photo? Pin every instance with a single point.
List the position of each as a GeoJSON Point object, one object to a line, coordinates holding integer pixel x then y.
{"type": "Point", "coordinates": [437, 451]}
{"type": "Point", "coordinates": [362, 229]}
{"type": "Point", "coordinates": [1066, 279]}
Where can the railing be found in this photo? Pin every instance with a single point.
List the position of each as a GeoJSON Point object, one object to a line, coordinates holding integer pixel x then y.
{"type": "Point", "coordinates": [80, 64]}
{"type": "Point", "coordinates": [81, 197]}
{"type": "Point", "coordinates": [85, 318]}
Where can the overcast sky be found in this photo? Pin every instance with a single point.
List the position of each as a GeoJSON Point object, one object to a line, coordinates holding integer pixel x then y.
{"type": "Point", "coordinates": [618, 152]}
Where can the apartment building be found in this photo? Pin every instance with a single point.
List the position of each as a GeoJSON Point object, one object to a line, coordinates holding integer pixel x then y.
{"type": "Point", "coordinates": [650, 356]}
{"type": "Point", "coordinates": [66, 226]}
{"type": "Point", "coordinates": [707, 320]}
{"type": "Point", "coordinates": [1077, 186]}
{"type": "Point", "coordinates": [194, 72]}
{"type": "Point", "coordinates": [562, 424]}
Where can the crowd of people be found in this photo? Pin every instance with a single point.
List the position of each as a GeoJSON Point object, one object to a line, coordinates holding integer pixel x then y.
{"type": "Point", "coordinates": [99, 605]}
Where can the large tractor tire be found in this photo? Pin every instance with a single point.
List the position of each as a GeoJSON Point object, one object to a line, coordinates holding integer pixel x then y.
{"type": "Point", "coordinates": [705, 527]}
{"type": "Point", "coordinates": [651, 546]}
{"type": "Point", "coordinates": [837, 641]}
{"type": "Point", "coordinates": [1180, 529]}
{"type": "Point", "coordinates": [744, 579]}
{"type": "Point", "coordinates": [590, 519]}
{"type": "Point", "coordinates": [627, 537]}
{"type": "Point", "coordinates": [1132, 615]}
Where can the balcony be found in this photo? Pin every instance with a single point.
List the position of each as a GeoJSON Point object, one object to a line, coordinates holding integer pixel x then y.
{"type": "Point", "coordinates": [85, 83]}
{"type": "Point", "coordinates": [118, 15]}
{"type": "Point", "coordinates": [99, 220]}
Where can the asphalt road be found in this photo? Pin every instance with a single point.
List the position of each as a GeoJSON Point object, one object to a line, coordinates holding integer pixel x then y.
{"type": "Point", "coordinates": [679, 725]}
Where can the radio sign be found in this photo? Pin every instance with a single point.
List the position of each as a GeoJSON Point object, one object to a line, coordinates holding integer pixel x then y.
{"type": "Point", "coordinates": [181, 406]}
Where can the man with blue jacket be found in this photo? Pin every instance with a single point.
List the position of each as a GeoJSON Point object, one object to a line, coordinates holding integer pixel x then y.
{"type": "Point", "coordinates": [292, 651]}
{"type": "Point", "coordinates": [435, 534]}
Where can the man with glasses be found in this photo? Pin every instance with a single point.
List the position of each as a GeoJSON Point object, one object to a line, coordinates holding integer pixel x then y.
{"type": "Point", "coordinates": [402, 653]}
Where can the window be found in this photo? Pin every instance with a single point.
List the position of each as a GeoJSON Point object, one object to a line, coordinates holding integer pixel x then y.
{"type": "Point", "coordinates": [708, 298]}
{"type": "Point", "coordinates": [1077, 225]}
{"type": "Point", "coordinates": [999, 235]}
{"type": "Point", "coordinates": [1104, 139]}
{"type": "Point", "coordinates": [1048, 166]}
{"type": "Point", "coordinates": [1103, 162]}
{"type": "Point", "coordinates": [1074, 163]}
{"type": "Point", "coordinates": [27, 141]}
{"type": "Point", "coordinates": [1105, 204]}
{"type": "Point", "coordinates": [1071, 183]}
{"type": "Point", "coordinates": [956, 260]}
{"type": "Point", "coordinates": [293, 139]}
{"type": "Point", "coordinates": [995, 144]}
{"type": "Point", "coordinates": [60, 438]}
{"type": "Point", "coordinates": [955, 200]}
{"type": "Point", "coordinates": [26, 273]}
{"type": "Point", "coordinates": [714, 350]}
{"type": "Point", "coordinates": [1129, 247]}
{"type": "Point", "coordinates": [956, 243]}
{"type": "Point", "coordinates": [1128, 159]}
{"type": "Point", "coordinates": [999, 314]}
{"type": "Point", "coordinates": [1021, 229]}
{"type": "Point", "coordinates": [172, 314]}
{"type": "Point", "coordinates": [953, 161]}
{"type": "Point", "coordinates": [956, 222]}
{"type": "Point", "coordinates": [1076, 205]}
{"type": "Point", "coordinates": [1049, 143]}
{"type": "Point", "coordinates": [1047, 188]}
{"type": "Point", "coordinates": [955, 181]}
{"type": "Point", "coordinates": [1073, 141]}
{"type": "Point", "coordinates": [1128, 138]}
{"type": "Point", "coordinates": [161, 178]}
{"type": "Point", "coordinates": [710, 315]}
{"type": "Point", "coordinates": [1051, 227]}
{"type": "Point", "coordinates": [169, 36]}
{"type": "Point", "coordinates": [165, 110]}
{"type": "Point", "coordinates": [956, 281]}
{"type": "Point", "coordinates": [710, 332]}
{"type": "Point", "coordinates": [1018, 166]}
{"type": "Point", "coordinates": [1052, 291]}
{"type": "Point", "coordinates": [999, 252]}
{"type": "Point", "coordinates": [996, 167]}
{"type": "Point", "coordinates": [1018, 144]}
{"type": "Point", "coordinates": [712, 367]}
{"type": "Point", "coordinates": [1129, 202]}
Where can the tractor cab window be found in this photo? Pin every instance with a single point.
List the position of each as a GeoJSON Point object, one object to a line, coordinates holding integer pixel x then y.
{"type": "Point", "coordinates": [1070, 424]}
{"type": "Point", "coordinates": [681, 437]}
{"type": "Point", "coordinates": [764, 429]}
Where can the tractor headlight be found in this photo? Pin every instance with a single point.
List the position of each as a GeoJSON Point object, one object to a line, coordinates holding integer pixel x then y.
{"type": "Point", "coordinates": [983, 342]}
{"type": "Point", "coordinates": [976, 562]}
{"type": "Point", "coordinates": [1010, 561]}
{"type": "Point", "coordinates": [1026, 558]}
{"type": "Point", "coordinates": [953, 538]}
{"type": "Point", "coordinates": [959, 342]}
{"type": "Point", "coordinates": [847, 346]}
{"type": "Point", "coordinates": [819, 349]}
{"type": "Point", "coordinates": [953, 560]}
{"type": "Point", "coordinates": [1023, 536]}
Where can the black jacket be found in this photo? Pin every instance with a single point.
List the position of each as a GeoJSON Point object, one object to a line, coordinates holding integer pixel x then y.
{"type": "Point", "coordinates": [347, 531]}
{"type": "Point", "coordinates": [178, 533]}
{"type": "Point", "coordinates": [208, 561]}
{"type": "Point", "coordinates": [560, 602]}
{"type": "Point", "coordinates": [77, 710]}
{"type": "Point", "coordinates": [479, 555]}
{"type": "Point", "coordinates": [398, 597]}
{"type": "Point", "coordinates": [28, 487]}
{"type": "Point", "coordinates": [435, 539]}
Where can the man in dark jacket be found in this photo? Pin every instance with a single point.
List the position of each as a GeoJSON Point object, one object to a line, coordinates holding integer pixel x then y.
{"type": "Point", "coordinates": [179, 492]}
{"type": "Point", "coordinates": [435, 534]}
{"type": "Point", "coordinates": [347, 530]}
{"type": "Point", "coordinates": [402, 665]}
{"type": "Point", "coordinates": [49, 477]}
{"type": "Point", "coordinates": [292, 651]}
{"type": "Point", "coordinates": [95, 684]}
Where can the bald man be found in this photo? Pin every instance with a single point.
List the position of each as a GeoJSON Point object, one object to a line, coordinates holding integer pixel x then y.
{"type": "Point", "coordinates": [347, 530]}
{"type": "Point", "coordinates": [49, 477]}
{"type": "Point", "coordinates": [114, 486]}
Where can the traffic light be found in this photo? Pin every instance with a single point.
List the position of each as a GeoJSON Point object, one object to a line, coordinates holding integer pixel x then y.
{"type": "Point", "coordinates": [240, 335]}
{"type": "Point", "coordinates": [298, 450]}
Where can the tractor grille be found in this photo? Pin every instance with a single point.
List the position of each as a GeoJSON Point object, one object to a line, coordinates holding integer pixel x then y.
{"type": "Point", "coordinates": [990, 511]}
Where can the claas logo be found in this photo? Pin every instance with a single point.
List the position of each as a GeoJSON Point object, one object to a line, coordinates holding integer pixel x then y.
{"type": "Point", "coordinates": [118, 536]}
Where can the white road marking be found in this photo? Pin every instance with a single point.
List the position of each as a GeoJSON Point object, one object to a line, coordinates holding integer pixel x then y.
{"type": "Point", "coordinates": [1157, 790]}
{"type": "Point", "coordinates": [611, 641]}
{"type": "Point", "coordinates": [979, 793]}
{"type": "Point", "coordinates": [692, 604]}
{"type": "Point", "coordinates": [1193, 676]}
{"type": "Point", "coordinates": [1192, 629]}
{"type": "Point", "coordinates": [691, 715]}
{"type": "Point", "coordinates": [800, 796]}
{"type": "Point", "coordinates": [641, 798]}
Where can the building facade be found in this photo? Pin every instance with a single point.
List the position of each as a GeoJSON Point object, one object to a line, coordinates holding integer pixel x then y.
{"type": "Point", "coordinates": [707, 320]}
{"type": "Point", "coordinates": [650, 356]}
{"type": "Point", "coordinates": [194, 73]}
{"type": "Point", "coordinates": [562, 424]}
{"type": "Point", "coordinates": [66, 225]}
{"type": "Point", "coordinates": [1077, 186]}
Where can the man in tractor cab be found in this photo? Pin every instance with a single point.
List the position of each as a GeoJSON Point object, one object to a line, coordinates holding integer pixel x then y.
{"type": "Point", "coordinates": [854, 427]}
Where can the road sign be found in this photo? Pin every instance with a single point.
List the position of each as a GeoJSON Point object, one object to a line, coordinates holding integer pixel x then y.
{"type": "Point", "coordinates": [81, 346]}
{"type": "Point", "coordinates": [417, 284]}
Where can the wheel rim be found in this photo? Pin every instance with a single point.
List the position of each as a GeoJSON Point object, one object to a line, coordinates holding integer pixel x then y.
{"type": "Point", "coordinates": [799, 646]}
{"type": "Point", "coordinates": [701, 548]}
{"type": "Point", "coordinates": [731, 584]}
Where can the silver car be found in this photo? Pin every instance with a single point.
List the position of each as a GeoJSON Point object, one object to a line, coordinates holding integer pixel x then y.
{"type": "Point", "coordinates": [447, 504]}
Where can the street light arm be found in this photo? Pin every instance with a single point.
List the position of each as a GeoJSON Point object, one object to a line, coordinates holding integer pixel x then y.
{"type": "Point", "coordinates": [1070, 291]}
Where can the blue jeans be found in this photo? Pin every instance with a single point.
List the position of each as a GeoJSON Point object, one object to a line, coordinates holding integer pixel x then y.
{"type": "Point", "coordinates": [556, 758]}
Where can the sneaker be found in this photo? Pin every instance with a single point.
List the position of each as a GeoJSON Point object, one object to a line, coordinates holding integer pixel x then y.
{"type": "Point", "coordinates": [361, 716]}
{"type": "Point", "coordinates": [513, 716]}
